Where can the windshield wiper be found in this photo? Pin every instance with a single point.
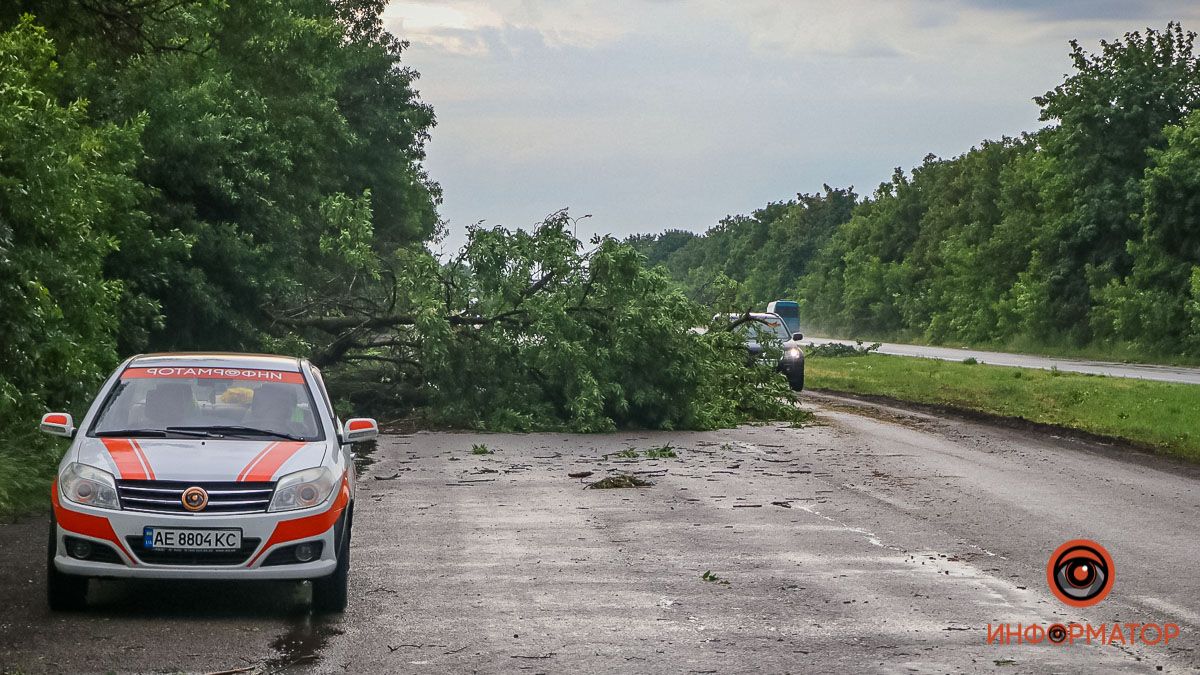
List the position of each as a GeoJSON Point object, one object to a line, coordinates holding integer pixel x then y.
{"type": "Point", "coordinates": [217, 429]}
{"type": "Point", "coordinates": [149, 433]}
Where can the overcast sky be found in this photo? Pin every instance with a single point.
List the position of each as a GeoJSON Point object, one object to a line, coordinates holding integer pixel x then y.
{"type": "Point", "coordinates": [655, 114]}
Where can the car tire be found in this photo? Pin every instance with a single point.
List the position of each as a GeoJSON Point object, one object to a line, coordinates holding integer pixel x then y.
{"type": "Point", "coordinates": [64, 592]}
{"type": "Point", "coordinates": [796, 379]}
{"type": "Point", "coordinates": [330, 594]}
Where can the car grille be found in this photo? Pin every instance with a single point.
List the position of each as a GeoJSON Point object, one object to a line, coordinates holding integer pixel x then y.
{"type": "Point", "coordinates": [151, 557]}
{"type": "Point", "coordinates": [160, 496]}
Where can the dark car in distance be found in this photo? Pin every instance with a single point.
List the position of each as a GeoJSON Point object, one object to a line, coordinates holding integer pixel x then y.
{"type": "Point", "coordinates": [762, 330]}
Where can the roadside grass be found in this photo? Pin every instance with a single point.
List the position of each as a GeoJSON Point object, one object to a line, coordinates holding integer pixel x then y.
{"type": "Point", "coordinates": [1159, 415]}
{"type": "Point", "coordinates": [27, 465]}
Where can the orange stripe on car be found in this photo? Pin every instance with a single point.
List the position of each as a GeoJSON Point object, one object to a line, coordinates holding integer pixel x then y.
{"type": "Point", "coordinates": [307, 526]}
{"type": "Point", "coordinates": [141, 454]}
{"type": "Point", "coordinates": [264, 466]}
{"type": "Point", "coordinates": [255, 460]}
{"type": "Point", "coordinates": [190, 372]}
{"type": "Point", "coordinates": [131, 463]}
{"type": "Point", "coordinates": [86, 524]}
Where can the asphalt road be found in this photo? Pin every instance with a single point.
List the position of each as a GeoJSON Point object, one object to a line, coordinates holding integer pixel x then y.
{"type": "Point", "coordinates": [876, 540]}
{"type": "Point", "coordinates": [1178, 374]}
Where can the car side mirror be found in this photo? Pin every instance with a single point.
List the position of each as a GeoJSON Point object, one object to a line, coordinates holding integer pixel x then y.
{"type": "Point", "coordinates": [797, 336]}
{"type": "Point", "coordinates": [58, 424]}
{"type": "Point", "coordinates": [360, 429]}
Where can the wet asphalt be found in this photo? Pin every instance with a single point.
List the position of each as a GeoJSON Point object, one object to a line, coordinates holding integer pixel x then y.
{"type": "Point", "coordinates": [875, 540]}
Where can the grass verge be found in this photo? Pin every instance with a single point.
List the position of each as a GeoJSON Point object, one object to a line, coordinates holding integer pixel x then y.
{"type": "Point", "coordinates": [27, 464]}
{"type": "Point", "coordinates": [1158, 415]}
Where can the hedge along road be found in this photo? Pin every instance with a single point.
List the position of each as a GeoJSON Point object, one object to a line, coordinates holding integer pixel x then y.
{"type": "Point", "coordinates": [1179, 374]}
{"type": "Point", "coordinates": [875, 539]}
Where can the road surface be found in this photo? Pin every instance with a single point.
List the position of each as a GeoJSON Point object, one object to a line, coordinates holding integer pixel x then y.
{"type": "Point", "coordinates": [875, 540]}
{"type": "Point", "coordinates": [1179, 374]}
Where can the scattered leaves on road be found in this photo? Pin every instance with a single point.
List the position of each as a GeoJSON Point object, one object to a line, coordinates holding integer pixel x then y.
{"type": "Point", "coordinates": [664, 452]}
{"type": "Point", "coordinates": [620, 481]}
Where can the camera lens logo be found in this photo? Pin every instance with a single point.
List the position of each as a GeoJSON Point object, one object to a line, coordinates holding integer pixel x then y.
{"type": "Point", "coordinates": [1080, 573]}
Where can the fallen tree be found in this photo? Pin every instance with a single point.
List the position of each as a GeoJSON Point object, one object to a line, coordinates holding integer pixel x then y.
{"type": "Point", "coordinates": [529, 330]}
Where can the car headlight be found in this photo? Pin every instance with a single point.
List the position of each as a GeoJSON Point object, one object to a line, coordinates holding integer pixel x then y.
{"type": "Point", "coordinates": [303, 489]}
{"type": "Point", "coordinates": [793, 353]}
{"type": "Point", "coordinates": [89, 486]}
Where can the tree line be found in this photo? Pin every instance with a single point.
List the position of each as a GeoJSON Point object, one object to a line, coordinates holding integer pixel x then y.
{"type": "Point", "coordinates": [1085, 233]}
{"type": "Point", "coordinates": [248, 176]}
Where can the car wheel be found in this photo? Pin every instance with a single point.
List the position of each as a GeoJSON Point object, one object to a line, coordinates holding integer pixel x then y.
{"type": "Point", "coordinates": [64, 592]}
{"type": "Point", "coordinates": [330, 594]}
{"type": "Point", "coordinates": [796, 379]}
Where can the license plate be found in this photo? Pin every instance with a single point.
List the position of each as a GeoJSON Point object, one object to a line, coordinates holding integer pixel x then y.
{"type": "Point", "coordinates": [172, 539]}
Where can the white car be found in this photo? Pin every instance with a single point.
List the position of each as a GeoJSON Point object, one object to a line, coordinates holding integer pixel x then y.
{"type": "Point", "coordinates": [205, 466]}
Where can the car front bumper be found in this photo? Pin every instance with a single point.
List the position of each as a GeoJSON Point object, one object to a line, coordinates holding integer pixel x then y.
{"type": "Point", "coordinates": [310, 570]}
{"type": "Point", "coordinates": [267, 532]}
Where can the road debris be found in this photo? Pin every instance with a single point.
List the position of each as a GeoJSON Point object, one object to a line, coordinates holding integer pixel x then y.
{"type": "Point", "coordinates": [619, 481]}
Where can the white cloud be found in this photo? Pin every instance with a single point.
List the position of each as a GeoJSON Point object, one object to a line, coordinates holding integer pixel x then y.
{"type": "Point", "coordinates": [444, 24]}
{"type": "Point", "coordinates": [658, 113]}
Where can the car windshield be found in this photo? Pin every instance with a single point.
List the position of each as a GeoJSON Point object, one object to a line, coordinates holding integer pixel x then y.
{"type": "Point", "coordinates": [208, 402]}
{"type": "Point", "coordinates": [764, 330]}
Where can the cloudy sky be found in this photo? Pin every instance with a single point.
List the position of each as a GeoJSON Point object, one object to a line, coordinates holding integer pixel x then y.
{"type": "Point", "coordinates": [654, 114]}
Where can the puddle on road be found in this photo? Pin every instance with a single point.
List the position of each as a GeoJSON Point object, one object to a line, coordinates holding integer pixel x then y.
{"type": "Point", "coordinates": [302, 643]}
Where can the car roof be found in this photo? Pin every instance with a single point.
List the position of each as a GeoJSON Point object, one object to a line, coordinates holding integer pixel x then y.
{"type": "Point", "coordinates": [759, 316]}
{"type": "Point", "coordinates": [217, 360]}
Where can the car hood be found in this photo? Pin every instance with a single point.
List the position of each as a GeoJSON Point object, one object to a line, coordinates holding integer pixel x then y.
{"type": "Point", "coordinates": [756, 348]}
{"type": "Point", "coordinates": [199, 460]}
